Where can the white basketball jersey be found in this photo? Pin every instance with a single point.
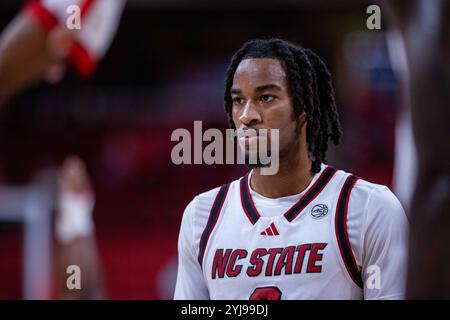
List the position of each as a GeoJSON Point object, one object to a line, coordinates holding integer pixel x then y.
{"type": "Point", "coordinates": [312, 250]}
{"type": "Point", "coordinates": [99, 22]}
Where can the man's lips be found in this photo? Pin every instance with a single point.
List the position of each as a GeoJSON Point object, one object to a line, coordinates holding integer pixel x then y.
{"type": "Point", "coordinates": [247, 132]}
{"type": "Point", "coordinates": [249, 138]}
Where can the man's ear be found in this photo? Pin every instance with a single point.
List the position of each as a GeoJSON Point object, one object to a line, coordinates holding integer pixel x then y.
{"type": "Point", "coordinates": [301, 119]}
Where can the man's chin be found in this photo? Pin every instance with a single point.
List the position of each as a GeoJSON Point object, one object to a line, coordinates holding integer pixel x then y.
{"type": "Point", "coordinates": [252, 164]}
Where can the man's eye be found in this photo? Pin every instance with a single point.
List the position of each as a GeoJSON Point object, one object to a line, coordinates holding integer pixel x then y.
{"type": "Point", "coordinates": [238, 100]}
{"type": "Point", "coordinates": [267, 98]}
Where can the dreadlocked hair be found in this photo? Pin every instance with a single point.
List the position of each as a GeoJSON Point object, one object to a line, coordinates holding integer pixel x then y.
{"type": "Point", "coordinates": [311, 89]}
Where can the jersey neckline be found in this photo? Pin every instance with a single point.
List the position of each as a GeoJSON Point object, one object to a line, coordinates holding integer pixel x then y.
{"type": "Point", "coordinates": [311, 192]}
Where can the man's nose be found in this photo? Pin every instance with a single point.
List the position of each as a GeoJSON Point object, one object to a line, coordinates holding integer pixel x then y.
{"type": "Point", "coordinates": [250, 115]}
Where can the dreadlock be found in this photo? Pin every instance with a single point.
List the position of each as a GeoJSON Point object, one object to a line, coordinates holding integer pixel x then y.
{"type": "Point", "coordinates": [311, 87]}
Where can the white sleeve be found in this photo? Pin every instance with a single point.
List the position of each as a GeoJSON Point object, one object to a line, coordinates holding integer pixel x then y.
{"type": "Point", "coordinates": [385, 246]}
{"type": "Point", "coordinates": [100, 26]}
{"type": "Point", "coordinates": [99, 21]}
{"type": "Point", "coordinates": [190, 281]}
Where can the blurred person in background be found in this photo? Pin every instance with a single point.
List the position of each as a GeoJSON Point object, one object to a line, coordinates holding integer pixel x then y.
{"type": "Point", "coordinates": [420, 40]}
{"type": "Point", "coordinates": [75, 232]}
{"type": "Point", "coordinates": [40, 42]}
{"type": "Point", "coordinates": [38, 46]}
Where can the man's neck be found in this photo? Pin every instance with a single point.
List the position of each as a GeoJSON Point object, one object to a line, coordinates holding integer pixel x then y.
{"type": "Point", "coordinates": [292, 178]}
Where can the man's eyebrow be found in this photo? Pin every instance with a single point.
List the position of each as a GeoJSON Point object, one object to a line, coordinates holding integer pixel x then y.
{"type": "Point", "coordinates": [268, 86]}
{"type": "Point", "coordinates": [259, 88]}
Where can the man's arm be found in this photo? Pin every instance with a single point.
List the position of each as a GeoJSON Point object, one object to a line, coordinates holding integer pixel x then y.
{"type": "Point", "coordinates": [37, 45]}
{"type": "Point", "coordinates": [384, 242]}
{"type": "Point", "coordinates": [190, 281]}
{"type": "Point", "coordinates": [24, 55]}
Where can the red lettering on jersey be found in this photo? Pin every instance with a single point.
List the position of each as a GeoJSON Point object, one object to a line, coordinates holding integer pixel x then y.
{"type": "Point", "coordinates": [314, 256]}
{"type": "Point", "coordinates": [257, 262]}
{"type": "Point", "coordinates": [280, 259]}
{"type": "Point", "coordinates": [285, 260]}
{"type": "Point", "coordinates": [220, 262]}
{"type": "Point", "coordinates": [301, 249]}
{"type": "Point", "coordinates": [233, 270]}
{"type": "Point", "coordinates": [272, 254]}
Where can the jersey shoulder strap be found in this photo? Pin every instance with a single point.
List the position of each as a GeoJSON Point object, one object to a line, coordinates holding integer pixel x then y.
{"type": "Point", "coordinates": [212, 220]}
{"type": "Point", "coordinates": [341, 231]}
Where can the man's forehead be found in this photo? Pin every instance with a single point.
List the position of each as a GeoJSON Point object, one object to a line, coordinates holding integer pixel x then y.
{"type": "Point", "coordinates": [259, 70]}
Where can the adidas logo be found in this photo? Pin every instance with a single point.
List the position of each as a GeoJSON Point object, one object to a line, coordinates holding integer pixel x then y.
{"type": "Point", "coordinates": [270, 231]}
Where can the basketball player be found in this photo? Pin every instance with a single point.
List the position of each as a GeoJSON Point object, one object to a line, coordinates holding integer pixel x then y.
{"type": "Point", "coordinates": [308, 232]}
{"type": "Point", "coordinates": [38, 45]}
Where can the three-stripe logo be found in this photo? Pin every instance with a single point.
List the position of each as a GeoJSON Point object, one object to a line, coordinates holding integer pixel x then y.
{"type": "Point", "coordinates": [270, 231]}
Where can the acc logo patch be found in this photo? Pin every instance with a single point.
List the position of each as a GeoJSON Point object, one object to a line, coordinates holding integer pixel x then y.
{"type": "Point", "coordinates": [319, 211]}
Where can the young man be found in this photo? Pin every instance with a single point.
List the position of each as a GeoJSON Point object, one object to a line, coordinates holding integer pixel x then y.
{"type": "Point", "coordinates": [308, 232]}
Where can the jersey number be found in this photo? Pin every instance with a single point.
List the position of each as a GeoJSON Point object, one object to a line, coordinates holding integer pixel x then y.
{"type": "Point", "coordinates": [266, 293]}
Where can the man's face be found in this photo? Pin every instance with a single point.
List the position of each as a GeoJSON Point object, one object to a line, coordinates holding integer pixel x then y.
{"type": "Point", "coordinates": [261, 100]}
